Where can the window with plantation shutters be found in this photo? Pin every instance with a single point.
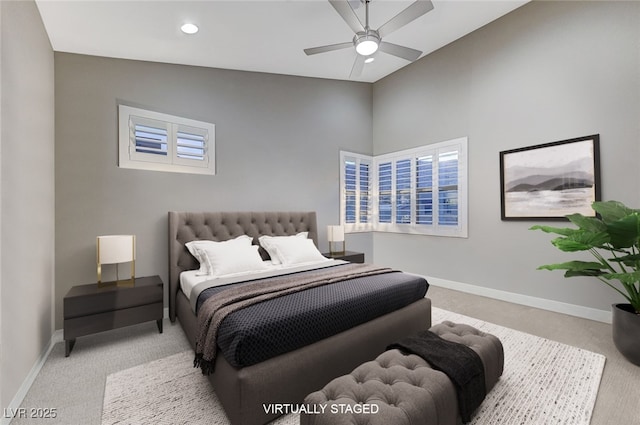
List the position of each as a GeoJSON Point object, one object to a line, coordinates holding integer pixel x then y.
{"type": "Point", "coordinates": [151, 140]}
{"type": "Point", "coordinates": [421, 190]}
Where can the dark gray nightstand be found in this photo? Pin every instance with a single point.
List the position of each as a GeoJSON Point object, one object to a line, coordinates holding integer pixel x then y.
{"type": "Point", "coordinates": [90, 309]}
{"type": "Point", "coordinates": [351, 256]}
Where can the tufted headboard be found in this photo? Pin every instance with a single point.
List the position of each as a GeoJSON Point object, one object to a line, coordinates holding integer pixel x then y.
{"type": "Point", "coordinates": [219, 226]}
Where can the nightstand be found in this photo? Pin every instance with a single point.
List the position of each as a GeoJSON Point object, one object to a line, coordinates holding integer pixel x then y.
{"type": "Point", "coordinates": [90, 309]}
{"type": "Point", "coordinates": [351, 256]}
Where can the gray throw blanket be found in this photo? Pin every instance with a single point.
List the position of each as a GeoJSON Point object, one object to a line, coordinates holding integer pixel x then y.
{"type": "Point", "coordinates": [216, 308]}
{"type": "Point", "coordinates": [460, 363]}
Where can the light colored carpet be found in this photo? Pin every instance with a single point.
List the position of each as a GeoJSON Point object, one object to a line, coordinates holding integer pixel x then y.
{"type": "Point", "coordinates": [544, 382]}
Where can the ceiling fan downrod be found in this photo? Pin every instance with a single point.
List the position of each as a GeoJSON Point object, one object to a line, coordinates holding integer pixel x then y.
{"type": "Point", "coordinates": [367, 41]}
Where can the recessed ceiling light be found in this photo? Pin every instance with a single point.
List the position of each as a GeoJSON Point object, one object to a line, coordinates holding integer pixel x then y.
{"type": "Point", "coordinates": [189, 28]}
{"type": "Point", "coordinates": [369, 60]}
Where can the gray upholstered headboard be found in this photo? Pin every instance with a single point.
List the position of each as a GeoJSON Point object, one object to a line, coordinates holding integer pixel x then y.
{"type": "Point", "coordinates": [219, 226]}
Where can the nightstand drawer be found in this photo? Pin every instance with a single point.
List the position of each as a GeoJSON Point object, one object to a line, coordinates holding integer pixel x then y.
{"type": "Point", "coordinates": [100, 300]}
{"type": "Point", "coordinates": [86, 325]}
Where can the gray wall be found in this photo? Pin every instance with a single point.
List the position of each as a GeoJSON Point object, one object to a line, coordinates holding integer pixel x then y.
{"type": "Point", "coordinates": [27, 188]}
{"type": "Point", "coordinates": [277, 145]}
{"type": "Point", "coordinates": [548, 71]}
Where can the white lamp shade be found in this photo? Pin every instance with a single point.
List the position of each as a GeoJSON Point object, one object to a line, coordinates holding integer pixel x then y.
{"type": "Point", "coordinates": [116, 249]}
{"type": "Point", "coordinates": [335, 233]}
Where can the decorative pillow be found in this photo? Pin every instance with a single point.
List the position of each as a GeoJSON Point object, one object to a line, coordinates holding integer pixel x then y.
{"type": "Point", "coordinates": [195, 248]}
{"type": "Point", "coordinates": [224, 259]}
{"type": "Point", "coordinates": [297, 250]}
{"type": "Point", "coordinates": [269, 243]}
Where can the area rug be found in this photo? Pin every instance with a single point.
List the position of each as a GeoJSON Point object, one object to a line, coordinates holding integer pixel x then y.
{"type": "Point", "coordinates": [544, 382]}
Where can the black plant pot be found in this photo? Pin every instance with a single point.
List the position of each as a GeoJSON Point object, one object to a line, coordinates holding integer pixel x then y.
{"type": "Point", "coordinates": [626, 331]}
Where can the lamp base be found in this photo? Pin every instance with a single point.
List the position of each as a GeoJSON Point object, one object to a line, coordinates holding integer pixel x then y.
{"type": "Point", "coordinates": [131, 282]}
{"type": "Point", "coordinates": [333, 252]}
{"type": "Point", "coordinates": [126, 283]}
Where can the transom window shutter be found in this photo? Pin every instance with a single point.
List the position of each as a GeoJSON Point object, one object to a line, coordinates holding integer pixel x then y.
{"type": "Point", "coordinates": [191, 146]}
{"type": "Point", "coordinates": [155, 141]}
{"type": "Point", "coordinates": [149, 139]}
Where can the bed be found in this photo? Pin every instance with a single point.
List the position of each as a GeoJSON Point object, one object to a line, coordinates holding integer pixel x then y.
{"type": "Point", "coordinates": [246, 392]}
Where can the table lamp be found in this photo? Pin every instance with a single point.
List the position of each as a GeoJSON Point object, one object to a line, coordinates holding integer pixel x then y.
{"type": "Point", "coordinates": [116, 249]}
{"type": "Point", "coordinates": [335, 234]}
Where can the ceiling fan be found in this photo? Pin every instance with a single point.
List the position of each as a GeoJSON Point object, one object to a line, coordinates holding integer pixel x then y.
{"type": "Point", "coordinates": [367, 41]}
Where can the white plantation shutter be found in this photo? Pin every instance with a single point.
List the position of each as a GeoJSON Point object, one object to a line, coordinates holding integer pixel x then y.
{"type": "Point", "coordinates": [155, 141]}
{"type": "Point", "coordinates": [424, 189]}
{"type": "Point", "coordinates": [403, 191]}
{"type": "Point", "coordinates": [355, 191]}
{"type": "Point", "coordinates": [191, 146]}
{"type": "Point", "coordinates": [448, 204]}
{"type": "Point", "coordinates": [364, 179]}
{"type": "Point", "coordinates": [421, 190]}
{"type": "Point", "coordinates": [148, 140]}
{"type": "Point", "coordinates": [385, 184]}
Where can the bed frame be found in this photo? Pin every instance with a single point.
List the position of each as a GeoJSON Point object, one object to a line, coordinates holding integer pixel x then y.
{"type": "Point", "coordinates": [287, 378]}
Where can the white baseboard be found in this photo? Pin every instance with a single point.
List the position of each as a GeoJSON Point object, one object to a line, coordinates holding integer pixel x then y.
{"type": "Point", "coordinates": [33, 373]}
{"type": "Point", "coordinates": [31, 376]}
{"type": "Point", "coordinates": [551, 305]}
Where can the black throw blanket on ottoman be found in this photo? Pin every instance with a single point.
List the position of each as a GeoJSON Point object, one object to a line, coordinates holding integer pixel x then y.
{"type": "Point", "coordinates": [460, 363]}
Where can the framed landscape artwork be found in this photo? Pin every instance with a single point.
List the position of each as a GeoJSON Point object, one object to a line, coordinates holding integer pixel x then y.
{"type": "Point", "coordinates": [550, 181]}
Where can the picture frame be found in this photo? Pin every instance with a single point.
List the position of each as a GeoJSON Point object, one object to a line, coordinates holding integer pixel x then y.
{"type": "Point", "coordinates": [551, 180]}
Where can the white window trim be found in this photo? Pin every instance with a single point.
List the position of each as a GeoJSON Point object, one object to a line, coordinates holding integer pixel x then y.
{"type": "Point", "coordinates": [460, 230]}
{"type": "Point", "coordinates": [171, 162]}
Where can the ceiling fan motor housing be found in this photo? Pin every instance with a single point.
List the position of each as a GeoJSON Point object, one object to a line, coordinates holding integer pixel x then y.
{"type": "Point", "coordinates": [366, 42]}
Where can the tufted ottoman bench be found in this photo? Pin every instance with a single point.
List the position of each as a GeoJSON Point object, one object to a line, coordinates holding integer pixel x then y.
{"type": "Point", "coordinates": [398, 389]}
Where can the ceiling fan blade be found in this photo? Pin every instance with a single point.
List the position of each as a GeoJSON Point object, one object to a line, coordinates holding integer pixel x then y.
{"type": "Point", "coordinates": [400, 51]}
{"type": "Point", "coordinates": [412, 12]}
{"type": "Point", "coordinates": [347, 13]}
{"type": "Point", "coordinates": [329, 48]}
{"type": "Point", "coordinates": [355, 4]}
{"type": "Point", "coordinates": [358, 64]}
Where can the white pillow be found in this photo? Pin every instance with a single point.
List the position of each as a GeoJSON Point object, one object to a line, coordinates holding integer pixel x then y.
{"type": "Point", "coordinates": [195, 248]}
{"type": "Point", "coordinates": [269, 243]}
{"type": "Point", "coordinates": [297, 250]}
{"type": "Point", "coordinates": [224, 259]}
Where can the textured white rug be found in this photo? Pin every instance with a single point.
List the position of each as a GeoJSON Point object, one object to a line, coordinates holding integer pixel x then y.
{"type": "Point", "coordinates": [544, 382]}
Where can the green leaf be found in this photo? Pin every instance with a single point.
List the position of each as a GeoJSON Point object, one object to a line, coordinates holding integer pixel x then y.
{"type": "Point", "coordinates": [611, 211]}
{"type": "Point", "coordinates": [576, 273]}
{"type": "Point", "coordinates": [573, 265]}
{"type": "Point", "coordinates": [590, 224]}
{"type": "Point", "coordinates": [626, 278]}
{"type": "Point", "coordinates": [625, 231]}
{"type": "Point", "coordinates": [564, 231]}
{"type": "Point", "coordinates": [629, 260]}
{"type": "Point", "coordinates": [581, 241]}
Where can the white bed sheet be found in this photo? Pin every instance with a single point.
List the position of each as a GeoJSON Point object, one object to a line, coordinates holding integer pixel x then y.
{"type": "Point", "coordinates": [189, 279]}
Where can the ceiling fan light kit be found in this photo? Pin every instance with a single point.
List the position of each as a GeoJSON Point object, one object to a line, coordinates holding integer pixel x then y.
{"type": "Point", "coordinates": [368, 41]}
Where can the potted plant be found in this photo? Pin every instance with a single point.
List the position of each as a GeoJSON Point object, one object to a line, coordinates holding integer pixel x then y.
{"type": "Point", "coordinates": [613, 238]}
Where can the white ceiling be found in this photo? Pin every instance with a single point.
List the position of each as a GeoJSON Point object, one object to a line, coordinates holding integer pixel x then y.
{"type": "Point", "coordinates": [263, 35]}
